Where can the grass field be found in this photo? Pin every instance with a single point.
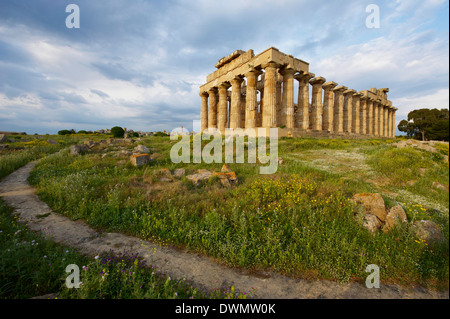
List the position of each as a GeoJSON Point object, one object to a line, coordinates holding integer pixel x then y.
{"type": "Point", "coordinates": [298, 222]}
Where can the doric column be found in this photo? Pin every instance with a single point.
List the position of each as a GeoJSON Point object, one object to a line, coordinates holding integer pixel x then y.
{"type": "Point", "coordinates": [235, 110]}
{"type": "Point", "coordinates": [376, 118]}
{"type": "Point", "coordinates": [287, 104]}
{"type": "Point", "coordinates": [356, 111]}
{"type": "Point", "coordinates": [348, 112]}
{"type": "Point", "coordinates": [212, 111]}
{"type": "Point", "coordinates": [261, 107]}
{"type": "Point", "coordinates": [270, 95]}
{"type": "Point", "coordinates": [281, 113]}
{"type": "Point", "coordinates": [393, 121]}
{"type": "Point", "coordinates": [381, 129]}
{"type": "Point", "coordinates": [388, 121]}
{"type": "Point", "coordinates": [339, 108]}
{"type": "Point", "coordinates": [363, 115]}
{"type": "Point", "coordinates": [243, 108]}
{"type": "Point", "coordinates": [223, 106]}
{"type": "Point", "coordinates": [303, 100]}
{"type": "Point", "coordinates": [204, 111]}
{"type": "Point", "coordinates": [328, 106]}
{"type": "Point", "coordinates": [370, 116]}
{"type": "Point", "coordinates": [382, 119]}
{"type": "Point", "coordinates": [251, 96]}
{"type": "Point", "coordinates": [316, 103]}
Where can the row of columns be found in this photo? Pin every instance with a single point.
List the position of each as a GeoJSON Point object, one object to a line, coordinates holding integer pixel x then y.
{"type": "Point", "coordinates": [332, 107]}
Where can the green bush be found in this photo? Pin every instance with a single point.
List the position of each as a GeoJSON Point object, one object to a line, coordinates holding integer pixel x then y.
{"type": "Point", "coordinates": [117, 132]}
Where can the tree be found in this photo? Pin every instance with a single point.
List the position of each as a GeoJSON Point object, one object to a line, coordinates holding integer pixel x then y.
{"type": "Point", "coordinates": [426, 124]}
{"type": "Point", "coordinates": [117, 131]}
{"type": "Point", "coordinates": [64, 132]}
{"type": "Point", "coordinates": [408, 128]}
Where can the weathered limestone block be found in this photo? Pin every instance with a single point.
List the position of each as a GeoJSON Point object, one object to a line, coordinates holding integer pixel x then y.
{"type": "Point", "coordinates": [371, 222]}
{"type": "Point", "coordinates": [394, 217]}
{"type": "Point", "coordinates": [373, 204]}
{"type": "Point", "coordinates": [140, 160]}
{"type": "Point", "coordinates": [141, 149]}
{"type": "Point", "coordinates": [179, 172]}
{"type": "Point", "coordinates": [78, 149]}
{"type": "Point", "coordinates": [201, 175]}
{"type": "Point", "coordinates": [165, 175]}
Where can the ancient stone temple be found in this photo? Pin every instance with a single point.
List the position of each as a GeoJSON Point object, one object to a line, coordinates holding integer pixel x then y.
{"type": "Point", "coordinates": [258, 91]}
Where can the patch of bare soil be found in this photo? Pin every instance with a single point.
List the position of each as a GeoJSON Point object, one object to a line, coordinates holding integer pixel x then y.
{"type": "Point", "coordinates": [201, 270]}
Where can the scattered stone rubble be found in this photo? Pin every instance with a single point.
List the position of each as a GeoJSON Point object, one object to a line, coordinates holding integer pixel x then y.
{"type": "Point", "coordinates": [373, 215]}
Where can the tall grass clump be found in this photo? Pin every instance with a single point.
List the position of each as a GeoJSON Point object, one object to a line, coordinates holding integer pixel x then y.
{"type": "Point", "coordinates": [23, 152]}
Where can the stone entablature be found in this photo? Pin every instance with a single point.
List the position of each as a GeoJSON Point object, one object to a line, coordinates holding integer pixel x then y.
{"type": "Point", "coordinates": [248, 91]}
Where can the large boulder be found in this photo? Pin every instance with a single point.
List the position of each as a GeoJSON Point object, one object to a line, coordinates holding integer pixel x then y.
{"type": "Point", "coordinates": [428, 231]}
{"type": "Point", "coordinates": [140, 160]}
{"type": "Point", "coordinates": [3, 138]}
{"type": "Point", "coordinates": [373, 204]}
{"type": "Point", "coordinates": [165, 175]}
{"type": "Point", "coordinates": [396, 216]}
{"type": "Point", "coordinates": [201, 175]}
{"type": "Point", "coordinates": [179, 172]}
{"type": "Point", "coordinates": [78, 149]}
{"type": "Point", "coordinates": [141, 149]}
{"type": "Point", "coordinates": [371, 223]}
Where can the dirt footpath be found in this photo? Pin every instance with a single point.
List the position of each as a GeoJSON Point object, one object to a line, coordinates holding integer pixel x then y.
{"type": "Point", "coordinates": [201, 270]}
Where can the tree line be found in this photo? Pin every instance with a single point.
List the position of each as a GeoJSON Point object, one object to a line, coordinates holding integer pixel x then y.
{"type": "Point", "coordinates": [426, 124]}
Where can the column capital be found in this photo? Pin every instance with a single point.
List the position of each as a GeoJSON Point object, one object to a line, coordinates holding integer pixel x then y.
{"type": "Point", "coordinates": [237, 80]}
{"type": "Point", "coordinates": [317, 80]}
{"type": "Point", "coordinates": [329, 85]}
{"type": "Point", "coordinates": [363, 97]}
{"type": "Point", "coordinates": [357, 95]}
{"type": "Point", "coordinates": [253, 71]}
{"type": "Point", "coordinates": [204, 93]}
{"type": "Point", "coordinates": [340, 88]}
{"type": "Point", "coordinates": [270, 65]}
{"type": "Point", "coordinates": [287, 72]}
{"type": "Point", "coordinates": [225, 85]}
{"type": "Point", "coordinates": [304, 76]}
{"type": "Point", "coordinates": [349, 92]}
{"type": "Point", "coordinates": [212, 90]}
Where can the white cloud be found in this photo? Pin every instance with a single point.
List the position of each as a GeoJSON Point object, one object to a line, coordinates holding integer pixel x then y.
{"type": "Point", "coordinates": [438, 100]}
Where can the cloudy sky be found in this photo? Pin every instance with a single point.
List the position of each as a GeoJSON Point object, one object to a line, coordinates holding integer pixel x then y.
{"type": "Point", "coordinates": [139, 64]}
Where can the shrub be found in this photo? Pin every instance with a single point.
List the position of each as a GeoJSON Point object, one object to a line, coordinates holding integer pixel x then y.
{"type": "Point", "coordinates": [117, 131]}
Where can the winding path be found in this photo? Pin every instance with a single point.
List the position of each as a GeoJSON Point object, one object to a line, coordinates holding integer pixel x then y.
{"type": "Point", "coordinates": [201, 270]}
